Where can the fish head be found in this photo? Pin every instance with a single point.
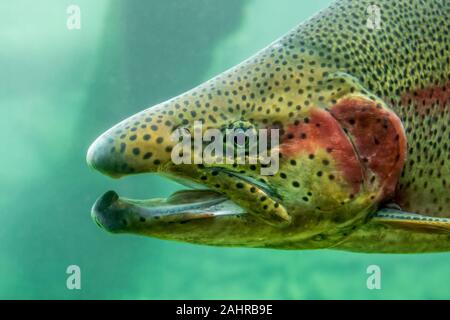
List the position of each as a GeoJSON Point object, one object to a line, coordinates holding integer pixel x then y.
{"type": "Point", "coordinates": [275, 157]}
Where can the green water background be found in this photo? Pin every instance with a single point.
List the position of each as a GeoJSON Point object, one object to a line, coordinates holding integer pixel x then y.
{"type": "Point", "coordinates": [59, 89]}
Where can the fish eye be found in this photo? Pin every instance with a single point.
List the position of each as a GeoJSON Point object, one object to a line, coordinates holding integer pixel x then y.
{"type": "Point", "coordinates": [241, 139]}
{"type": "Point", "coordinates": [244, 134]}
{"type": "Point", "coordinates": [240, 124]}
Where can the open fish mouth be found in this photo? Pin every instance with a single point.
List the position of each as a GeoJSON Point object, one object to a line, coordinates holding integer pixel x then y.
{"type": "Point", "coordinates": [120, 215]}
{"type": "Point", "coordinates": [116, 214]}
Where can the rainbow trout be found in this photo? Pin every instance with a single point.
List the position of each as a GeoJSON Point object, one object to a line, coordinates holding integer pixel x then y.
{"type": "Point", "coordinates": [360, 109]}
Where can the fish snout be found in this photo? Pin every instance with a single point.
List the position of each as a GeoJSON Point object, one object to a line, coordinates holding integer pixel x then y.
{"type": "Point", "coordinates": [136, 145]}
{"type": "Point", "coordinates": [101, 156]}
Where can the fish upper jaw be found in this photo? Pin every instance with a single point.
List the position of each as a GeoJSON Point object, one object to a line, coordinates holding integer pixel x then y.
{"type": "Point", "coordinates": [138, 144]}
{"type": "Point", "coordinates": [98, 159]}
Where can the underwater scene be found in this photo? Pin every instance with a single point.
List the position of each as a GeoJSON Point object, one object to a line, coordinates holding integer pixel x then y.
{"type": "Point", "coordinates": [71, 70]}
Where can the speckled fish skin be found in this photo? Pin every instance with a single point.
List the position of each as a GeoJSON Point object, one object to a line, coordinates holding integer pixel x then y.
{"type": "Point", "coordinates": [364, 120]}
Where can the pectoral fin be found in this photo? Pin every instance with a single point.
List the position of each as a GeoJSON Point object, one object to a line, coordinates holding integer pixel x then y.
{"type": "Point", "coordinates": [412, 221]}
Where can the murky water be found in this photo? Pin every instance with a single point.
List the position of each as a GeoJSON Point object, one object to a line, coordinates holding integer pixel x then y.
{"type": "Point", "coordinates": [61, 88]}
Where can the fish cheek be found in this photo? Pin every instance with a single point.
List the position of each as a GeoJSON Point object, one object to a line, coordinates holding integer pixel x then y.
{"type": "Point", "coordinates": [321, 170]}
{"type": "Point", "coordinates": [379, 139]}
